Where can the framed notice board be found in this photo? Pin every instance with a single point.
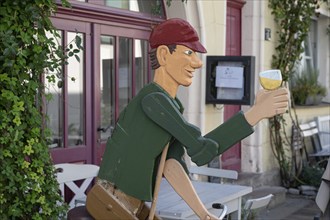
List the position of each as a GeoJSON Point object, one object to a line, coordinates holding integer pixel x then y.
{"type": "Point", "coordinates": [230, 80]}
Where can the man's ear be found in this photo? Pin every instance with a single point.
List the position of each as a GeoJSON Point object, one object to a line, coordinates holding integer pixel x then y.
{"type": "Point", "coordinates": [162, 52]}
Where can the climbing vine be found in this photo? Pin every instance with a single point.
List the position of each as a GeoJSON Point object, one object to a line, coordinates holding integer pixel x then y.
{"type": "Point", "coordinates": [293, 19]}
{"type": "Point", "coordinates": [28, 187]}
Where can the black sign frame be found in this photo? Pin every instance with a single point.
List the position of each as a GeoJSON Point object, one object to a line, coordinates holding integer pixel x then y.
{"type": "Point", "coordinates": [221, 90]}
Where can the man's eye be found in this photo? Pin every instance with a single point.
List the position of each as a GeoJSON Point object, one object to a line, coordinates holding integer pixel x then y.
{"type": "Point", "coordinates": [188, 52]}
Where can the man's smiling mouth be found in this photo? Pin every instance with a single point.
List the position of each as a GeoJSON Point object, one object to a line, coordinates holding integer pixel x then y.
{"type": "Point", "coordinates": [190, 73]}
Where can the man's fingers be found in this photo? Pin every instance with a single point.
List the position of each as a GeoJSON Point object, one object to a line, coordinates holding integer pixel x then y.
{"type": "Point", "coordinates": [283, 98]}
{"type": "Point", "coordinates": [280, 92]}
{"type": "Point", "coordinates": [280, 105]}
{"type": "Point", "coordinates": [280, 111]}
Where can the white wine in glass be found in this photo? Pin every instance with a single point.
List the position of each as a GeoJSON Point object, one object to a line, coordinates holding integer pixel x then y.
{"type": "Point", "coordinates": [270, 79]}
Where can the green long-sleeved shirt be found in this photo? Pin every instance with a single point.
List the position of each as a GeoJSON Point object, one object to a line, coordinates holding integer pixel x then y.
{"type": "Point", "coordinates": [130, 160]}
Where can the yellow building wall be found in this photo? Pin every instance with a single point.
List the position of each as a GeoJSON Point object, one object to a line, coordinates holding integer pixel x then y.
{"type": "Point", "coordinates": [215, 28]}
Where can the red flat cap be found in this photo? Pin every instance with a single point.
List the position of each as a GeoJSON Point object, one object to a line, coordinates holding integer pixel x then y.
{"type": "Point", "coordinates": [176, 31]}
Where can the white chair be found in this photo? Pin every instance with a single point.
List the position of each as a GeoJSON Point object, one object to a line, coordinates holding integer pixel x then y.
{"type": "Point", "coordinates": [215, 172]}
{"type": "Point", "coordinates": [251, 204]}
{"type": "Point", "coordinates": [311, 130]}
{"type": "Point", "coordinates": [68, 173]}
{"type": "Point", "coordinates": [323, 124]}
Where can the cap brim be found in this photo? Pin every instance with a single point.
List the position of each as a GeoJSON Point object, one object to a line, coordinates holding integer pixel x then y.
{"type": "Point", "coordinates": [195, 46]}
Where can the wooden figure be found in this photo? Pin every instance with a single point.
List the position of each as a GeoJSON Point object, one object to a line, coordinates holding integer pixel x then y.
{"type": "Point", "coordinates": [153, 121]}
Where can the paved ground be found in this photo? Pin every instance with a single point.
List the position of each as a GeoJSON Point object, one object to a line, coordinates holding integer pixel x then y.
{"type": "Point", "coordinates": [283, 206]}
{"type": "Point", "coordinates": [295, 207]}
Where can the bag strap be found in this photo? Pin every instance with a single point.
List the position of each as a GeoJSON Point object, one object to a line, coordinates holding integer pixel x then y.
{"type": "Point", "coordinates": [158, 181]}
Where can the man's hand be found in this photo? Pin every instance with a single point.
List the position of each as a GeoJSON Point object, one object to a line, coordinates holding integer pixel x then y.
{"type": "Point", "coordinates": [268, 104]}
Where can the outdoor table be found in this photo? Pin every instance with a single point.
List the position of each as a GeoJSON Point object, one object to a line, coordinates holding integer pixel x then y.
{"type": "Point", "coordinates": [171, 206]}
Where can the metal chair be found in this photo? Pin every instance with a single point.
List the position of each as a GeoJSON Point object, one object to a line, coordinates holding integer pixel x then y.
{"type": "Point", "coordinates": [256, 203]}
{"type": "Point", "coordinates": [323, 124]}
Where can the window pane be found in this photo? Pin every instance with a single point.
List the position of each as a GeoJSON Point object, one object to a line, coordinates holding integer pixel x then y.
{"type": "Point", "coordinates": [75, 103]}
{"type": "Point", "coordinates": [309, 58]}
{"type": "Point", "coordinates": [307, 47]}
{"type": "Point", "coordinates": [308, 65]}
{"type": "Point", "coordinates": [54, 103]}
{"type": "Point", "coordinates": [107, 86]}
{"type": "Point", "coordinates": [141, 64]}
{"type": "Point", "coordinates": [154, 7]}
{"type": "Point", "coordinates": [125, 72]}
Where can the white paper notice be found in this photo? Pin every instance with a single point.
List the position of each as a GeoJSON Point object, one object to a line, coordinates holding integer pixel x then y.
{"type": "Point", "coordinates": [229, 77]}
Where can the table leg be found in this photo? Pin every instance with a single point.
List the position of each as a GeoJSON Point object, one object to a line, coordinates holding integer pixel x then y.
{"type": "Point", "coordinates": [237, 214]}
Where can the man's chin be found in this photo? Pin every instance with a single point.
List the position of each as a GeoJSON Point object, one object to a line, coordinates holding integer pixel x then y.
{"type": "Point", "coordinates": [186, 84]}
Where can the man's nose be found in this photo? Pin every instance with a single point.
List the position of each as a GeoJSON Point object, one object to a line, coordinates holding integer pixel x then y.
{"type": "Point", "coordinates": [196, 62]}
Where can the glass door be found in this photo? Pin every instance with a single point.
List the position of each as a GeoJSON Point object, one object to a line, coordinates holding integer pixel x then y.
{"type": "Point", "coordinates": [113, 67]}
{"type": "Point", "coordinates": [121, 67]}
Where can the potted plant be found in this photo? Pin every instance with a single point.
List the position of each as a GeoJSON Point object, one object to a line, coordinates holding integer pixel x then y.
{"type": "Point", "coordinates": [306, 90]}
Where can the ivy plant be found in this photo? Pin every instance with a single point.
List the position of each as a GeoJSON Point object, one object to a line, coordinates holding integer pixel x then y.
{"type": "Point", "coordinates": [293, 19]}
{"type": "Point", "coordinates": [28, 187]}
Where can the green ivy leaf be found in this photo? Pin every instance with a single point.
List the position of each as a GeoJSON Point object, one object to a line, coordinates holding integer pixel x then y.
{"type": "Point", "coordinates": [7, 153]}
{"type": "Point", "coordinates": [17, 120]}
{"type": "Point", "coordinates": [78, 41]}
{"type": "Point", "coordinates": [60, 84]}
{"type": "Point", "coordinates": [77, 57]}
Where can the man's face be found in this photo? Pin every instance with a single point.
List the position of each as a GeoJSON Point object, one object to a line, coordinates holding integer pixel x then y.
{"type": "Point", "coordinates": [181, 64]}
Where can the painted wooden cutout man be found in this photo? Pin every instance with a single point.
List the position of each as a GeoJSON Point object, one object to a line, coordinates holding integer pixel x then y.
{"type": "Point", "coordinates": [154, 118]}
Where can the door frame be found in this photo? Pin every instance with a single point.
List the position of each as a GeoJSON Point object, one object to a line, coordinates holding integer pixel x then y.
{"type": "Point", "coordinates": [231, 159]}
